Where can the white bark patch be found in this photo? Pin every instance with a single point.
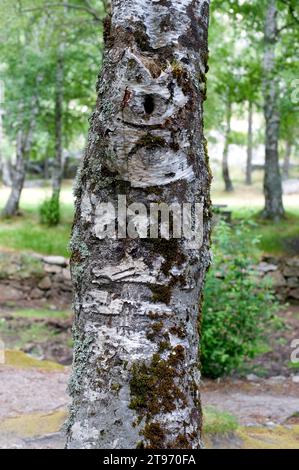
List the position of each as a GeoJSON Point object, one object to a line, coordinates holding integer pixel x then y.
{"type": "Point", "coordinates": [86, 207]}
{"type": "Point", "coordinates": [151, 13]}
{"type": "Point", "coordinates": [102, 303]}
{"type": "Point", "coordinates": [82, 432]}
{"type": "Point", "coordinates": [141, 164]}
{"type": "Point", "coordinates": [128, 344]}
{"type": "Point", "coordinates": [93, 303]}
{"type": "Point", "coordinates": [158, 168]}
{"type": "Point", "coordinates": [128, 271]}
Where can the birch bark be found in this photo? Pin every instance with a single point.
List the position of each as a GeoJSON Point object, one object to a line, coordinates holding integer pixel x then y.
{"type": "Point", "coordinates": [225, 168]}
{"type": "Point", "coordinates": [249, 145]}
{"type": "Point", "coordinates": [137, 300]}
{"type": "Point", "coordinates": [272, 180]}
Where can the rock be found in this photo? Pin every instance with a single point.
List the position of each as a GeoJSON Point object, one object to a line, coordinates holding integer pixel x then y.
{"type": "Point", "coordinates": [36, 294]}
{"type": "Point", "coordinates": [45, 283]}
{"type": "Point", "coordinates": [276, 278]}
{"type": "Point", "coordinates": [294, 294]}
{"type": "Point", "coordinates": [277, 379]}
{"type": "Point", "coordinates": [266, 267]}
{"type": "Point", "coordinates": [252, 378]}
{"type": "Point", "coordinates": [56, 260]}
{"type": "Point", "coordinates": [294, 261]}
{"type": "Point", "coordinates": [295, 379]}
{"type": "Point", "coordinates": [271, 259]}
{"type": "Point", "coordinates": [270, 424]}
{"type": "Point", "coordinates": [58, 279]}
{"type": "Point", "coordinates": [53, 268]}
{"type": "Point", "coordinates": [66, 274]}
{"type": "Point", "coordinates": [8, 293]}
{"type": "Point", "coordinates": [291, 271]}
{"type": "Point", "coordinates": [293, 282]}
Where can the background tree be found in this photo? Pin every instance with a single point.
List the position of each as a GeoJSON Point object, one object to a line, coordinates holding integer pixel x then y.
{"type": "Point", "coordinates": [272, 180]}
{"type": "Point", "coordinates": [55, 67]}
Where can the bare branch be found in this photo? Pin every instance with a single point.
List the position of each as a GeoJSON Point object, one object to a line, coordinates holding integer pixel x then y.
{"type": "Point", "coordinates": [86, 8]}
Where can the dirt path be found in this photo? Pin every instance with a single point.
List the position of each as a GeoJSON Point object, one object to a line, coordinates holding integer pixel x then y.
{"type": "Point", "coordinates": [33, 406]}
{"type": "Point", "coordinates": [267, 412]}
{"type": "Point", "coordinates": [272, 400]}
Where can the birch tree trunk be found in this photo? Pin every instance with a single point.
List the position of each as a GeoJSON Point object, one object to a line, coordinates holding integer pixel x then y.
{"type": "Point", "coordinates": [18, 174]}
{"type": "Point", "coordinates": [1, 131]}
{"type": "Point", "coordinates": [137, 300]}
{"type": "Point", "coordinates": [287, 160]}
{"type": "Point", "coordinates": [249, 145]}
{"type": "Point", "coordinates": [57, 167]}
{"type": "Point", "coordinates": [272, 180]}
{"type": "Point", "coordinates": [225, 168]}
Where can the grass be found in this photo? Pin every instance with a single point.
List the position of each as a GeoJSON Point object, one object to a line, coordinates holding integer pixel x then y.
{"type": "Point", "coordinates": [24, 361]}
{"type": "Point", "coordinates": [223, 428]}
{"type": "Point", "coordinates": [27, 234]}
{"type": "Point", "coordinates": [293, 365]}
{"type": "Point", "coordinates": [40, 313]}
{"type": "Point", "coordinates": [217, 422]}
{"type": "Point", "coordinates": [18, 334]}
{"type": "Point", "coordinates": [275, 238]}
{"type": "Point", "coordinates": [34, 424]}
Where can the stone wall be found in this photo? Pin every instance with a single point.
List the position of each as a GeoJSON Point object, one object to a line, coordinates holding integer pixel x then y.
{"type": "Point", "coordinates": [284, 274]}
{"type": "Point", "coordinates": [34, 278]}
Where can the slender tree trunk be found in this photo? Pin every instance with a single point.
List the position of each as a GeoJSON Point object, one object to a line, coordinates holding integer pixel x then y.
{"type": "Point", "coordinates": [6, 172]}
{"type": "Point", "coordinates": [18, 178]}
{"type": "Point", "coordinates": [136, 330]}
{"type": "Point", "coordinates": [57, 167]}
{"type": "Point", "coordinates": [272, 181]}
{"type": "Point", "coordinates": [287, 160]}
{"type": "Point", "coordinates": [249, 145]}
{"type": "Point", "coordinates": [46, 168]}
{"type": "Point", "coordinates": [225, 168]}
{"type": "Point", "coordinates": [1, 133]}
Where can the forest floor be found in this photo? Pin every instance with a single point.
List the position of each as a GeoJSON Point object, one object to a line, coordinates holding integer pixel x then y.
{"type": "Point", "coordinates": [258, 408]}
{"type": "Point", "coordinates": [238, 413]}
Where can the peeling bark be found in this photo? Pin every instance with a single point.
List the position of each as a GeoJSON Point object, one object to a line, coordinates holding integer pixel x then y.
{"type": "Point", "coordinates": [272, 181]}
{"type": "Point", "coordinates": [137, 314]}
{"type": "Point", "coordinates": [225, 168]}
{"type": "Point", "coordinates": [249, 145]}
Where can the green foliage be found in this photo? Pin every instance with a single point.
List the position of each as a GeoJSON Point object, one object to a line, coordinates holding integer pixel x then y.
{"type": "Point", "coordinates": [238, 305]}
{"type": "Point", "coordinates": [34, 33]}
{"type": "Point", "coordinates": [49, 211]}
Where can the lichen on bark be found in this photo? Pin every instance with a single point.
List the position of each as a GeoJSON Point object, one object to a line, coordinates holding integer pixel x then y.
{"type": "Point", "coordinates": [135, 382]}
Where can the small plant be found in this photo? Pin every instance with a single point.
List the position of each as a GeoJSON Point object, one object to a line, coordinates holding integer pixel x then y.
{"type": "Point", "coordinates": [238, 306]}
{"type": "Point", "coordinates": [50, 212]}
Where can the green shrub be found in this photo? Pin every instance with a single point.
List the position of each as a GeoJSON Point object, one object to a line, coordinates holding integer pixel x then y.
{"type": "Point", "coordinates": [238, 306]}
{"type": "Point", "coordinates": [49, 212]}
